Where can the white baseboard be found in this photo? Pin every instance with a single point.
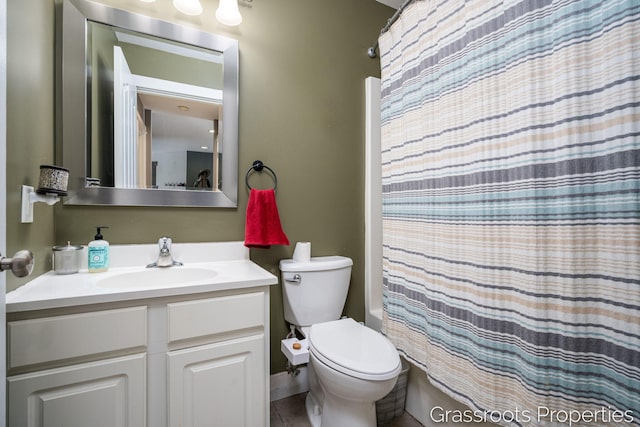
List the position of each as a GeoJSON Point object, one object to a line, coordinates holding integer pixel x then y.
{"type": "Point", "coordinates": [284, 384]}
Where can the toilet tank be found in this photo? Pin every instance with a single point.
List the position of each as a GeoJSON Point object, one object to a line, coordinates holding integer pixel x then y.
{"type": "Point", "coordinates": [315, 291]}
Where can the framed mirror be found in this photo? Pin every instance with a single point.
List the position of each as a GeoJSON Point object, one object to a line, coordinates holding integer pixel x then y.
{"type": "Point", "coordinates": [147, 110]}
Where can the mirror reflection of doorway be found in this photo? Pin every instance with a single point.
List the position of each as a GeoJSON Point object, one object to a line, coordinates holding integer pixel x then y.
{"type": "Point", "coordinates": [155, 113]}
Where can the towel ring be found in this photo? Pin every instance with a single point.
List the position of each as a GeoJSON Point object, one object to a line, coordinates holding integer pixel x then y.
{"type": "Point", "coordinates": [258, 166]}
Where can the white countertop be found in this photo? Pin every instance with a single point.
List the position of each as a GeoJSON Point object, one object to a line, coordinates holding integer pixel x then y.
{"type": "Point", "coordinates": [230, 261]}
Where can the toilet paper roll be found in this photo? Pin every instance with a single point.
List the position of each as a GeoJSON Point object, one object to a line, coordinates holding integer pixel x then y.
{"type": "Point", "coordinates": [302, 252]}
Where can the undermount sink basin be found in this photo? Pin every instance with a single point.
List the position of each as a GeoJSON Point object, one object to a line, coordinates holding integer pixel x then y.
{"type": "Point", "coordinates": [157, 277]}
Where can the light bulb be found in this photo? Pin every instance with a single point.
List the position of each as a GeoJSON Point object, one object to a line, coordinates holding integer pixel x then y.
{"type": "Point", "coordinates": [188, 7]}
{"type": "Point", "coordinates": [228, 13]}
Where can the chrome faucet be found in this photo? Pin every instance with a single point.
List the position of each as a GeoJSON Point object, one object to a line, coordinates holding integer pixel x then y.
{"type": "Point", "coordinates": [165, 259]}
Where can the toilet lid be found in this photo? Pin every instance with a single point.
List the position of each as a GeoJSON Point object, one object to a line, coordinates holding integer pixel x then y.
{"type": "Point", "coordinates": [354, 349]}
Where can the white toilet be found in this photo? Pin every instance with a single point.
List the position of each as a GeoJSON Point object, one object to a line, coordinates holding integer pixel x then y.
{"type": "Point", "coordinates": [350, 366]}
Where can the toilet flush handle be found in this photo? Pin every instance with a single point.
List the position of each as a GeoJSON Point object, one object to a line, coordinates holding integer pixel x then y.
{"type": "Point", "coordinates": [295, 279]}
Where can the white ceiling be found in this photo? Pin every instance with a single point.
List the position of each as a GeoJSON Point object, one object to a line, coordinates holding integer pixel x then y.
{"type": "Point", "coordinates": [181, 106]}
{"type": "Point", "coordinates": [392, 3]}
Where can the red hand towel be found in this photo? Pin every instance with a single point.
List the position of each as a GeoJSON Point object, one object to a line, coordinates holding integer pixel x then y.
{"type": "Point", "coordinates": [262, 226]}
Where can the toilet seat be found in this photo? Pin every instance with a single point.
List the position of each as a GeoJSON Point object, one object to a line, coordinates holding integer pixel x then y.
{"type": "Point", "coordinates": [354, 349]}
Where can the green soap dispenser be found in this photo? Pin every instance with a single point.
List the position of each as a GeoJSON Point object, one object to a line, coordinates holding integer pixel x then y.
{"type": "Point", "coordinates": [98, 250]}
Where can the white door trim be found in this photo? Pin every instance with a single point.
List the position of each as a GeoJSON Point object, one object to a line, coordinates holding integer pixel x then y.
{"type": "Point", "coordinates": [3, 203]}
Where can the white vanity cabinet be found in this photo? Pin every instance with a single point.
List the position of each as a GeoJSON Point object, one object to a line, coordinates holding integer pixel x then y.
{"type": "Point", "coordinates": [143, 347]}
{"type": "Point", "coordinates": [184, 360]}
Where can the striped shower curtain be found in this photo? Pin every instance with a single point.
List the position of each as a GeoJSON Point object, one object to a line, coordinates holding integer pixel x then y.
{"type": "Point", "coordinates": [511, 206]}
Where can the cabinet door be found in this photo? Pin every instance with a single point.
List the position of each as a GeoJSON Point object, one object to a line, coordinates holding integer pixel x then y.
{"type": "Point", "coordinates": [220, 384]}
{"type": "Point", "coordinates": [107, 393]}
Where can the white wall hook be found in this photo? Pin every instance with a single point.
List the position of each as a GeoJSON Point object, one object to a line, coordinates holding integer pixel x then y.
{"type": "Point", "coordinates": [29, 197]}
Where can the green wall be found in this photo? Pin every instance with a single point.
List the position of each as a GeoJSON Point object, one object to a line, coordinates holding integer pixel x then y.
{"type": "Point", "coordinates": [30, 125]}
{"type": "Point", "coordinates": [302, 70]}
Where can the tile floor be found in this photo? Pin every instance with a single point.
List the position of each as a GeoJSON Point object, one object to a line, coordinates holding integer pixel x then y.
{"type": "Point", "coordinates": [290, 412]}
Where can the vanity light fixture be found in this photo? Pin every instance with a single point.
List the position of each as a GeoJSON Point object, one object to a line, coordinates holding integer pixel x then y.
{"type": "Point", "coordinates": [188, 7]}
{"type": "Point", "coordinates": [228, 13]}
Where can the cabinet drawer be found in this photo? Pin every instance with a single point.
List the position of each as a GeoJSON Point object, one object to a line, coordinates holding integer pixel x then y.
{"type": "Point", "coordinates": [56, 338]}
{"type": "Point", "coordinates": [193, 319]}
